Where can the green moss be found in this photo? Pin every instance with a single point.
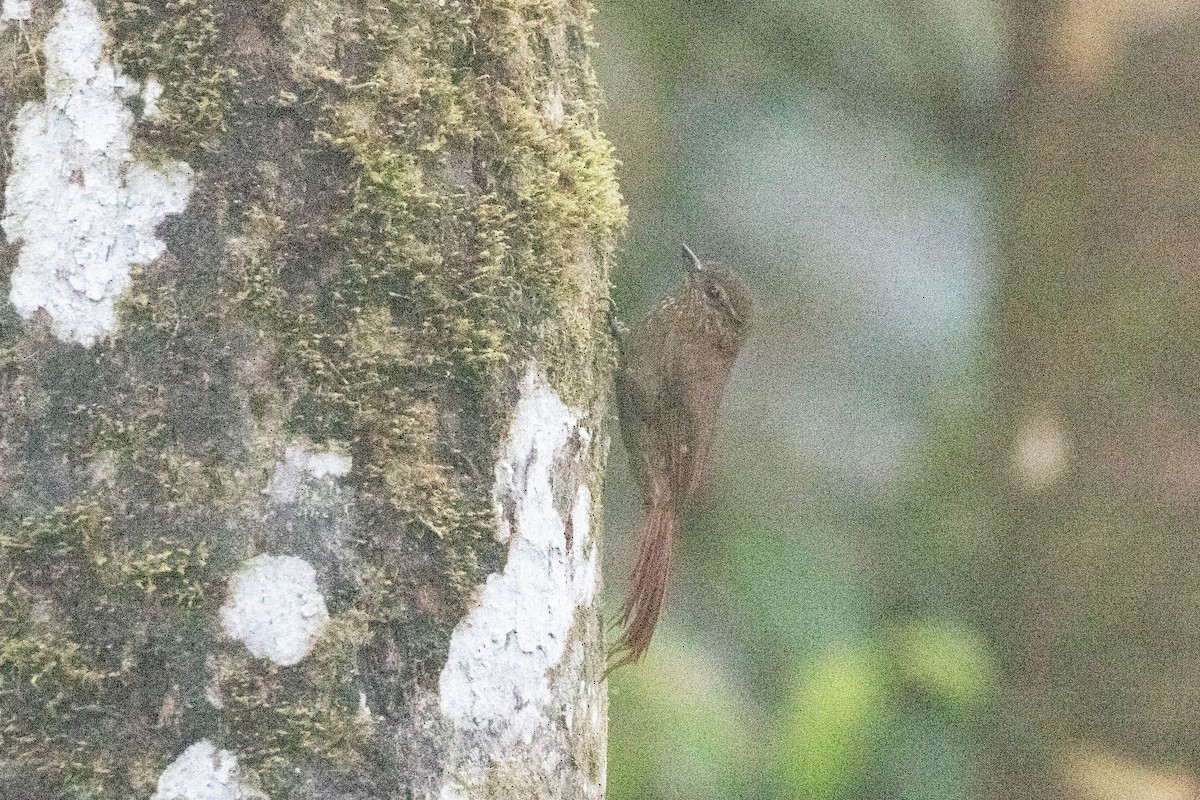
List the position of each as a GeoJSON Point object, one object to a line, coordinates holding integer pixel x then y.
{"type": "Point", "coordinates": [280, 718]}
{"type": "Point", "coordinates": [477, 233]}
{"type": "Point", "coordinates": [59, 539]}
{"type": "Point", "coordinates": [76, 653]}
{"type": "Point", "coordinates": [45, 677]}
{"type": "Point", "coordinates": [75, 546]}
{"type": "Point", "coordinates": [176, 41]}
{"type": "Point", "coordinates": [169, 571]}
{"type": "Point", "coordinates": [48, 659]}
{"type": "Point", "coordinates": [94, 630]}
{"type": "Point", "coordinates": [253, 259]}
{"type": "Point", "coordinates": [478, 206]}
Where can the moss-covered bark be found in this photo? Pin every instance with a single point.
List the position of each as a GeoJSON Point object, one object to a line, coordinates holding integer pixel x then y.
{"type": "Point", "coordinates": [397, 207]}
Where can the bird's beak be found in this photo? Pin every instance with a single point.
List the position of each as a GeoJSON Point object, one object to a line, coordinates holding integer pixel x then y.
{"type": "Point", "coordinates": [689, 259]}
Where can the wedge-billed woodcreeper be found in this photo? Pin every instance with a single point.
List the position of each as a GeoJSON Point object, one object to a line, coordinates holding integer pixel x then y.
{"type": "Point", "coordinates": [670, 380]}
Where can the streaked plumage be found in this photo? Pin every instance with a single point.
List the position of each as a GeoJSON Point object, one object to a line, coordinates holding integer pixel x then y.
{"type": "Point", "coordinates": [670, 382]}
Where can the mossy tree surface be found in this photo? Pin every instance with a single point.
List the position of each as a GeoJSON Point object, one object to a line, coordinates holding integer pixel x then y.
{"type": "Point", "coordinates": [399, 212]}
{"type": "Point", "coordinates": [1091, 589]}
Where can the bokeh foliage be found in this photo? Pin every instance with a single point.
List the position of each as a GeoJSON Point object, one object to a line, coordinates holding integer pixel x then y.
{"type": "Point", "coordinates": [949, 546]}
{"type": "Point", "coordinates": [819, 639]}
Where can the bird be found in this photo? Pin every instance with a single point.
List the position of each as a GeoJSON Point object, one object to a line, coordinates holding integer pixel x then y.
{"type": "Point", "coordinates": [671, 376]}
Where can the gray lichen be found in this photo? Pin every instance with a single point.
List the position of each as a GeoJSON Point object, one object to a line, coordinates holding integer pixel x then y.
{"type": "Point", "coordinates": [396, 207]}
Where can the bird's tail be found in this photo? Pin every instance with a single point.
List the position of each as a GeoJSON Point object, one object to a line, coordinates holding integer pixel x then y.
{"type": "Point", "coordinates": [642, 604]}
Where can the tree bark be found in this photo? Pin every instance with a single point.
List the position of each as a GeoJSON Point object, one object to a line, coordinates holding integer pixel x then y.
{"type": "Point", "coordinates": [1093, 583]}
{"type": "Point", "coordinates": [303, 366]}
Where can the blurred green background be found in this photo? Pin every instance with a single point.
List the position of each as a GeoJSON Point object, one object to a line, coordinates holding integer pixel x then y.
{"type": "Point", "coordinates": [838, 624]}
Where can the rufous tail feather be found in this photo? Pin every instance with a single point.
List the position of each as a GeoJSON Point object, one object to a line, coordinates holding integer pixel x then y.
{"type": "Point", "coordinates": [644, 600]}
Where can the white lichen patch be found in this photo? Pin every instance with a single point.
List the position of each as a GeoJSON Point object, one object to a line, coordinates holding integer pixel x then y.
{"type": "Point", "coordinates": [275, 608]}
{"type": "Point", "coordinates": [204, 773]}
{"type": "Point", "coordinates": [82, 207]}
{"type": "Point", "coordinates": [552, 107]}
{"type": "Point", "coordinates": [302, 462]}
{"type": "Point", "coordinates": [582, 555]}
{"type": "Point", "coordinates": [150, 94]}
{"type": "Point", "coordinates": [496, 683]}
{"type": "Point", "coordinates": [16, 9]}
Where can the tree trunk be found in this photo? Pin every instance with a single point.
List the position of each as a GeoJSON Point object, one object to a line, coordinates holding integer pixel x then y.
{"type": "Point", "coordinates": [1094, 581]}
{"type": "Point", "coordinates": [302, 379]}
